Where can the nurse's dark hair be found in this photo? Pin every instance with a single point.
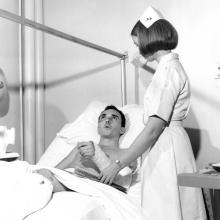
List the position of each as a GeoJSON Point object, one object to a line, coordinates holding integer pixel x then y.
{"type": "Point", "coordinates": [161, 35]}
{"type": "Point", "coordinates": [123, 120]}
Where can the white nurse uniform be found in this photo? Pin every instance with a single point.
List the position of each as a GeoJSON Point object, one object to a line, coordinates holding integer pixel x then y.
{"type": "Point", "coordinates": [168, 97]}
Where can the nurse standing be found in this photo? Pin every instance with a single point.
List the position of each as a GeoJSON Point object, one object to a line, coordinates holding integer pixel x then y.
{"type": "Point", "coordinates": [166, 104]}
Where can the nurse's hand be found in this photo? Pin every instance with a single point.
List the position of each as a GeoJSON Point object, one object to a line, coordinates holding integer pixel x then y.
{"type": "Point", "coordinates": [138, 60]}
{"type": "Point", "coordinates": [109, 173]}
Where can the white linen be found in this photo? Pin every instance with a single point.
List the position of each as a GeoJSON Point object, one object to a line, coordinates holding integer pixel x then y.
{"type": "Point", "coordinates": [85, 128]}
{"type": "Point", "coordinates": [22, 192]}
{"type": "Point", "coordinates": [26, 193]}
{"type": "Point", "coordinates": [70, 206]}
{"type": "Point", "coordinates": [92, 199]}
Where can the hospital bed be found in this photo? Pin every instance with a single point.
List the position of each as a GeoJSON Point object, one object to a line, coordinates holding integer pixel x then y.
{"type": "Point", "coordinates": [85, 128]}
{"type": "Point", "coordinates": [105, 202]}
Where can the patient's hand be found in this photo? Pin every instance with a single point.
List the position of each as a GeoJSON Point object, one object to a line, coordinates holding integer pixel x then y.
{"type": "Point", "coordinates": [86, 149]}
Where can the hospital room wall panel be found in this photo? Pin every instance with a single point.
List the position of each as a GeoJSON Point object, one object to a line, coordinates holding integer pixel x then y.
{"type": "Point", "coordinates": [91, 75]}
{"type": "Point", "coordinates": [69, 98]}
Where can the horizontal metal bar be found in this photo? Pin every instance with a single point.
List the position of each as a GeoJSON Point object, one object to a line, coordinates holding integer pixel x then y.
{"type": "Point", "coordinates": [49, 30]}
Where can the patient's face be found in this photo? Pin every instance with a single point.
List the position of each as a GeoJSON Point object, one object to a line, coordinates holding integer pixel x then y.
{"type": "Point", "coordinates": [109, 124]}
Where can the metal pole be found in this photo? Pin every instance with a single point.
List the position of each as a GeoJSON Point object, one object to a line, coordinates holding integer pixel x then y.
{"type": "Point", "coordinates": [123, 80]}
{"type": "Point", "coordinates": [21, 68]}
{"type": "Point", "coordinates": [27, 22]}
{"type": "Point", "coordinates": [39, 80]}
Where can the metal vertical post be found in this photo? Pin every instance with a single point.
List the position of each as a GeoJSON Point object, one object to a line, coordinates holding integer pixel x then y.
{"type": "Point", "coordinates": [39, 79]}
{"type": "Point", "coordinates": [29, 91]}
{"type": "Point", "coordinates": [123, 80]}
{"type": "Point", "coordinates": [21, 68]}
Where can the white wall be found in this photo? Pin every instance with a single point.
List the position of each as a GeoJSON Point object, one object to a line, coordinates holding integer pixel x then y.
{"type": "Point", "coordinates": [9, 63]}
{"type": "Point", "coordinates": [69, 85]}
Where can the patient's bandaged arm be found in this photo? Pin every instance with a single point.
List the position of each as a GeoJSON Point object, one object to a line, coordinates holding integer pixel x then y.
{"type": "Point", "coordinates": [102, 161]}
{"type": "Point", "coordinates": [100, 158]}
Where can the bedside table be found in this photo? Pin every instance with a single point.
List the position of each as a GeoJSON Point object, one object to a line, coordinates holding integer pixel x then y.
{"type": "Point", "coordinates": [11, 156]}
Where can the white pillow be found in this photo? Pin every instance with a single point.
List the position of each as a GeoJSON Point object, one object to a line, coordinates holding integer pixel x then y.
{"type": "Point", "coordinates": [84, 128]}
{"type": "Point", "coordinates": [134, 124]}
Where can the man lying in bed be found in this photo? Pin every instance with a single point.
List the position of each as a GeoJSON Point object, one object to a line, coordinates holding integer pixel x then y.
{"type": "Point", "coordinates": [91, 158]}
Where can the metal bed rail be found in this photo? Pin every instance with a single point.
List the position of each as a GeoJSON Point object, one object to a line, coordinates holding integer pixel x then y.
{"type": "Point", "coordinates": [27, 22]}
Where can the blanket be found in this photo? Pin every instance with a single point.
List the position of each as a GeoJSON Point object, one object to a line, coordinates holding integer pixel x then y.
{"type": "Point", "coordinates": [116, 203]}
{"type": "Point", "coordinates": [26, 192]}
{"type": "Point", "coordinates": [22, 191]}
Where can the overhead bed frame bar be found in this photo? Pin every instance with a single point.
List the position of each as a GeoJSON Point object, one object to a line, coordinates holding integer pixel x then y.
{"type": "Point", "coordinates": [27, 22]}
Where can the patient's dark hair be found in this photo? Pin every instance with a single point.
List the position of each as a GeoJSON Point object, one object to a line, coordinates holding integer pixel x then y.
{"type": "Point", "coordinates": [161, 35]}
{"type": "Point", "coordinates": [123, 120]}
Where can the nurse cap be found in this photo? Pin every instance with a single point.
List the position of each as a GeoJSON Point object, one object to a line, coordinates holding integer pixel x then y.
{"type": "Point", "coordinates": [150, 16]}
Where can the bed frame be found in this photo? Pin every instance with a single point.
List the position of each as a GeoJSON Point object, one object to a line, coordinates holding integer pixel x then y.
{"type": "Point", "coordinates": [27, 22]}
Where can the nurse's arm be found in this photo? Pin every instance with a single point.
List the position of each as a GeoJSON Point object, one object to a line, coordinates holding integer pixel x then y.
{"type": "Point", "coordinates": [144, 140]}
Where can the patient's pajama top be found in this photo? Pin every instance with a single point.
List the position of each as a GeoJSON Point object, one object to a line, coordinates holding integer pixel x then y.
{"type": "Point", "coordinates": [168, 97]}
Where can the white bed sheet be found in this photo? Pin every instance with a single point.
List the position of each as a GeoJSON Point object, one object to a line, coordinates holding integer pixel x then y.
{"type": "Point", "coordinates": [92, 200]}
{"type": "Point", "coordinates": [85, 128]}
{"type": "Point", "coordinates": [21, 191]}
{"type": "Point", "coordinates": [70, 206]}
{"type": "Point", "coordinates": [28, 195]}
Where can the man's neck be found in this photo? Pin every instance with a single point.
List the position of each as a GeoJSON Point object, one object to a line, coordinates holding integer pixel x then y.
{"type": "Point", "coordinates": [109, 143]}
